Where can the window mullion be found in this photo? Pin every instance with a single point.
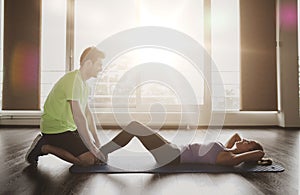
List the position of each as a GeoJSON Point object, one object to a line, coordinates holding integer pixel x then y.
{"type": "Point", "coordinates": [70, 35]}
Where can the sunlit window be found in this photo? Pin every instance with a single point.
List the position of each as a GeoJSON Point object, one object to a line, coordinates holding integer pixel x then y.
{"type": "Point", "coordinates": [53, 48]}
{"type": "Point", "coordinates": [225, 50]}
{"type": "Point", "coordinates": [95, 20]}
{"type": "Point", "coordinates": [91, 29]}
{"type": "Point", "coordinates": [150, 92]}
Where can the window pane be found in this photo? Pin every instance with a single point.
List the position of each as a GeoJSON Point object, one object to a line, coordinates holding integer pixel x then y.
{"type": "Point", "coordinates": [147, 93]}
{"type": "Point", "coordinates": [96, 20]}
{"type": "Point", "coordinates": [225, 50]}
{"type": "Point", "coordinates": [53, 52]}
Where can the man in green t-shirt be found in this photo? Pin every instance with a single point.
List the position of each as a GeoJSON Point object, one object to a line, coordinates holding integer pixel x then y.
{"type": "Point", "coordinates": [67, 125]}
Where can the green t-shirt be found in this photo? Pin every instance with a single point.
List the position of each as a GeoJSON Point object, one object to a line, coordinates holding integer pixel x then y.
{"type": "Point", "coordinates": [58, 117]}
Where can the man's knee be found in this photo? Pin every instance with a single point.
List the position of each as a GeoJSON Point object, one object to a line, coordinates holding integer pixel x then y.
{"type": "Point", "coordinates": [46, 149]}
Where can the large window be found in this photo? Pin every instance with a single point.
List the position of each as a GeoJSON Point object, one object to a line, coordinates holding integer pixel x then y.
{"type": "Point", "coordinates": [53, 50]}
{"type": "Point", "coordinates": [226, 50]}
{"type": "Point", "coordinates": [96, 20]}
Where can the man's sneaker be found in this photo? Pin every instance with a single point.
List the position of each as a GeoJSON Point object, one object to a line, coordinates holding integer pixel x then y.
{"type": "Point", "coordinates": [35, 150]}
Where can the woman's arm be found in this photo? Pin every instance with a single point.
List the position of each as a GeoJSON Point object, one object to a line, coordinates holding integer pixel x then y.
{"type": "Point", "coordinates": [230, 143]}
{"type": "Point", "coordinates": [228, 158]}
{"type": "Point", "coordinates": [254, 155]}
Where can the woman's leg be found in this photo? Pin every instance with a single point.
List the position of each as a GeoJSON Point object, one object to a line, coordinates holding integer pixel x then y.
{"type": "Point", "coordinates": [119, 141]}
{"type": "Point", "coordinates": [149, 138]}
{"type": "Point", "coordinates": [163, 151]}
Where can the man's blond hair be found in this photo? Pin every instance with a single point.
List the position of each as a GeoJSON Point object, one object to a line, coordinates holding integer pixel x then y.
{"type": "Point", "coordinates": [91, 53]}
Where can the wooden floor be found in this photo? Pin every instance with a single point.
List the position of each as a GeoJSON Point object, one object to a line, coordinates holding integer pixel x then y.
{"type": "Point", "coordinates": [52, 175]}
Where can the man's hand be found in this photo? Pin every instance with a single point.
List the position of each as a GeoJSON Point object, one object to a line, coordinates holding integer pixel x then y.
{"type": "Point", "coordinates": [99, 154]}
{"type": "Point", "coordinates": [97, 143]}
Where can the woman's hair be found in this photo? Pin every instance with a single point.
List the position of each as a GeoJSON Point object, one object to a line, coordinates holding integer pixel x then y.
{"type": "Point", "coordinates": [91, 53]}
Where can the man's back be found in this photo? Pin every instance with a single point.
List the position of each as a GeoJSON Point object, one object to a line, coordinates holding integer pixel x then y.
{"type": "Point", "coordinates": [57, 117]}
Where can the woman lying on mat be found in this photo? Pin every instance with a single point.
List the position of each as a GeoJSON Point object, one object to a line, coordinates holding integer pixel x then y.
{"type": "Point", "coordinates": [234, 152]}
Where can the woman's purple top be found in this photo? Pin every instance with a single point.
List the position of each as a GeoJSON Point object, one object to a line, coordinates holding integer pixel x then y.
{"type": "Point", "coordinates": [201, 153]}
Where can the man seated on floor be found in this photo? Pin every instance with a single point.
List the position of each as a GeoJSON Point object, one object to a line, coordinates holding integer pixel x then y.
{"type": "Point", "coordinates": [68, 130]}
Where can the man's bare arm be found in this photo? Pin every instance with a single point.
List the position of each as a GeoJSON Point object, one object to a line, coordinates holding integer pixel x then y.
{"type": "Point", "coordinates": [92, 126]}
{"type": "Point", "coordinates": [83, 130]}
